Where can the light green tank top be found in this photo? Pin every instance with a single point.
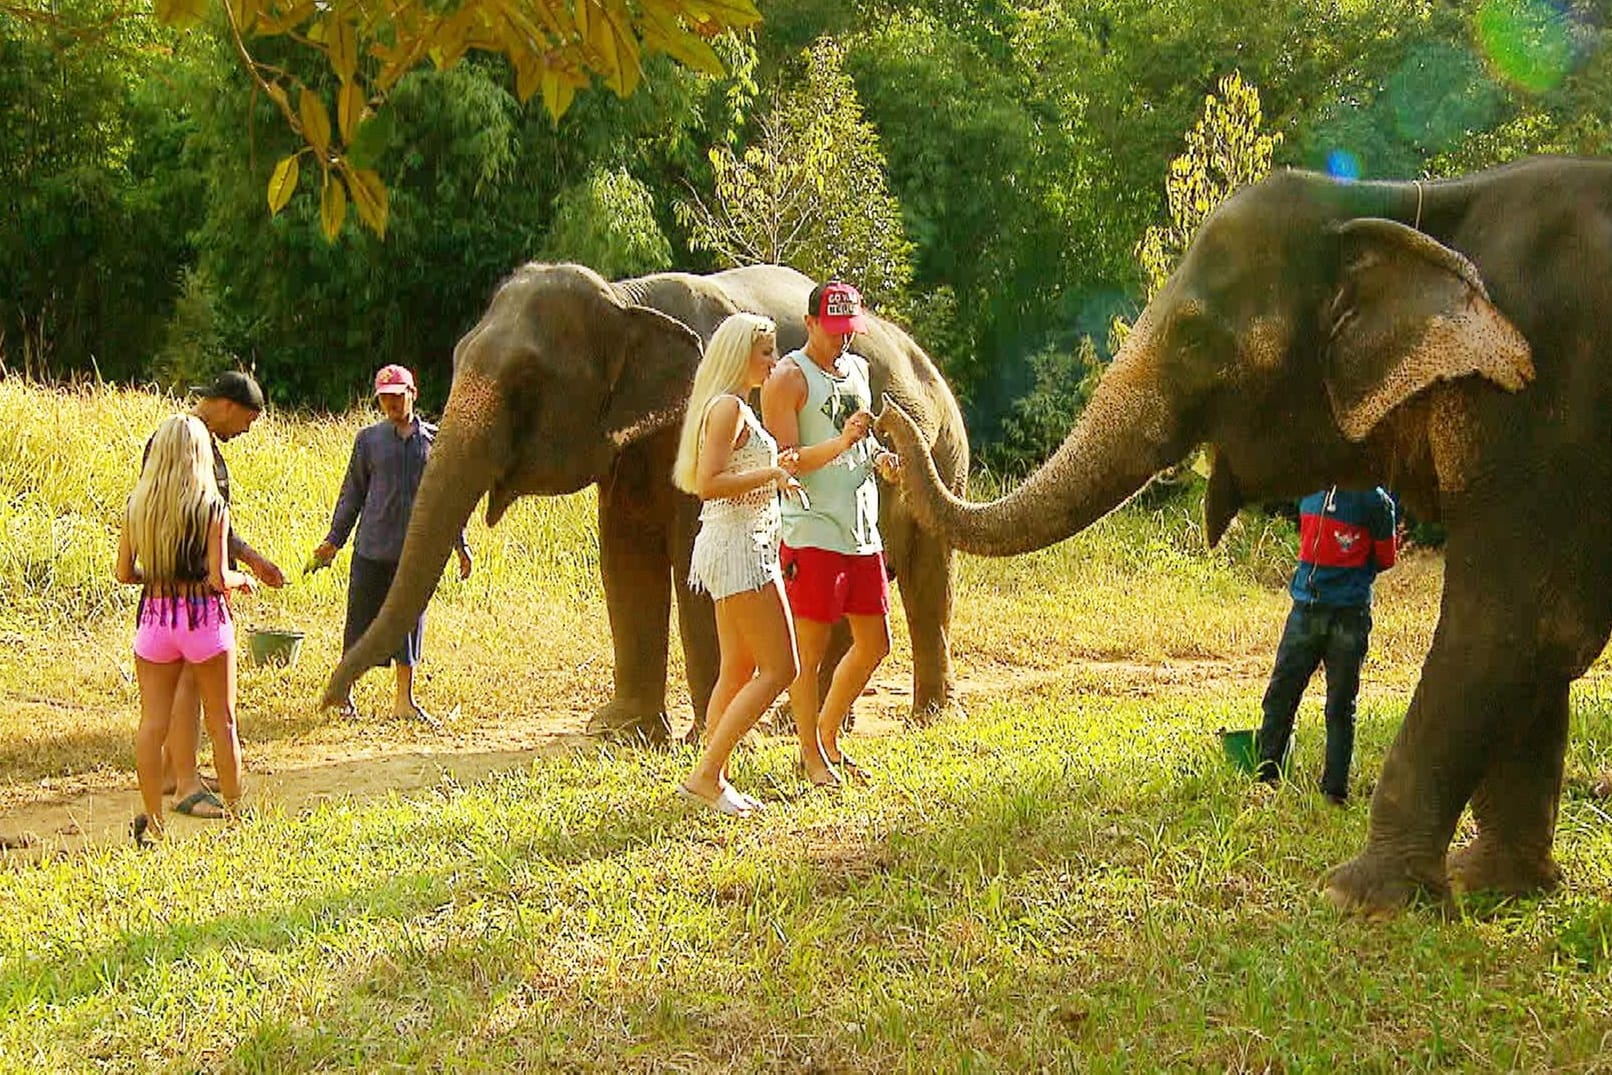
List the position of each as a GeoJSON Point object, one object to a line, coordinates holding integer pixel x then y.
{"type": "Point", "coordinates": [844, 512]}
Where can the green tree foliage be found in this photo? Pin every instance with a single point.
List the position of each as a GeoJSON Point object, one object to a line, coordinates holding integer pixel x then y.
{"type": "Point", "coordinates": [997, 177]}
{"type": "Point", "coordinates": [607, 222]}
{"type": "Point", "coordinates": [94, 198]}
{"type": "Point", "coordinates": [1226, 149]}
{"type": "Point", "coordinates": [554, 46]}
{"type": "Point", "coordinates": [809, 189]}
{"type": "Point", "coordinates": [479, 184]}
{"type": "Point", "coordinates": [1020, 143]}
{"type": "Point", "coordinates": [1039, 420]}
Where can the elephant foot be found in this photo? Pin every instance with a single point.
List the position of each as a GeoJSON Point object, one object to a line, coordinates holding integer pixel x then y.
{"type": "Point", "coordinates": [619, 722]}
{"type": "Point", "coordinates": [1378, 886]}
{"type": "Point", "coordinates": [1487, 865]}
{"type": "Point", "coordinates": [934, 710]}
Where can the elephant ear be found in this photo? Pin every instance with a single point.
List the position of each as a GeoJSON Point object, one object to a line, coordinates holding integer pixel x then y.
{"type": "Point", "coordinates": [649, 370]}
{"type": "Point", "coordinates": [1410, 312]}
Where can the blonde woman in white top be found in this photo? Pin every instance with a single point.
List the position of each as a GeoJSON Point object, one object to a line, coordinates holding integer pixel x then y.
{"type": "Point", "coordinates": [730, 462]}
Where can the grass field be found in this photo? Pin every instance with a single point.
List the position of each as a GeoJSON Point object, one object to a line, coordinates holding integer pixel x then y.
{"type": "Point", "coordinates": [1066, 878]}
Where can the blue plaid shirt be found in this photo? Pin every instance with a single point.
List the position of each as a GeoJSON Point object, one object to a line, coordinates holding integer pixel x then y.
{"type": "Point", "coordinates": [378, 492]}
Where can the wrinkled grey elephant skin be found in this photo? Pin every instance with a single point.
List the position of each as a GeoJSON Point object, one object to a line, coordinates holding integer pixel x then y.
{"type": "Point", "coordinates": [570, 381]}
{"type": "Point", "coordinates": [1450, 339]}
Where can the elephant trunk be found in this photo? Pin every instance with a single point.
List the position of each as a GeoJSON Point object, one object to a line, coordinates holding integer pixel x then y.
{"type": "Point", "coordinates": [463, 462]}
{"type": "Point", "coordinates": [1127, 433]}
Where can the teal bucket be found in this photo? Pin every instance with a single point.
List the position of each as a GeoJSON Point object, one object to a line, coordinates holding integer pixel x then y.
{"type": "Point", "coordinates": [1241, 748]}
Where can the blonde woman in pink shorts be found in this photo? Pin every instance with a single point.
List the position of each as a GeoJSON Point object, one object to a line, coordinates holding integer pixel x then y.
{"type": "Point", "coordinates": [173, 547]}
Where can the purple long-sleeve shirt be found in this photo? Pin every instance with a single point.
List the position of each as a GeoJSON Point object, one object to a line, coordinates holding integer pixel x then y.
{"type": "Point", "coordinates": [378, 492]}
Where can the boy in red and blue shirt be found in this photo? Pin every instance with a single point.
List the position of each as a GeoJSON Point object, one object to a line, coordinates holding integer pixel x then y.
{"type": "Point", "coordinates": [1345, 538]}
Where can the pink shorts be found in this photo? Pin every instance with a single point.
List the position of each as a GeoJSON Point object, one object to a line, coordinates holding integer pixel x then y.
{"type": "Point", "coordinates": [189, 629]}
{"type": "Point", "coordinates": [823, 585]}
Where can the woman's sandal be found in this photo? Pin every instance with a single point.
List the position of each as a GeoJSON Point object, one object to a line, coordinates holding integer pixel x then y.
{"type": "Point", "coordinates": [749, 800]}
{"type": "Point", "coordinates": [208, 783]}
{"type": "Point", "coordinates": [188, 805]}
{"type": "Point", "coordinates": [727, 802]}
{"type": "Point", "coordinates": [832, 781]}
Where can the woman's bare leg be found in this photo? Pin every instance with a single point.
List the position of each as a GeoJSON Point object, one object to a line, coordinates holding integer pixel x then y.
{"type": "Point", "coordinates": [215, 682]}
{"type": "Point", "coordinates": [184, 729]}
{"type": "Point", "coordinates": [157, 685]}
{"type": "Point", "coordinates": [757, 623]}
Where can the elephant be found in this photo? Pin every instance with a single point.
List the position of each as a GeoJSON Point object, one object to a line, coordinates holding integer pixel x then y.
{"type": "Point", "coordinates": [569, 381]}
{"type": "Point", "coordinates": [1449, 339]}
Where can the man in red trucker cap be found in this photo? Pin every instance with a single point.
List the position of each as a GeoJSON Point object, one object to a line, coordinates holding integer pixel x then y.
{"type": "Point", "coordinates": [378, 494]}
{"type": "Point", "coordinates": [817, 400]}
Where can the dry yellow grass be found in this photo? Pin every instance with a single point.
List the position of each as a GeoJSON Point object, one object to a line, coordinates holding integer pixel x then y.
{"type": "Point", "coordinates": [527, 637]}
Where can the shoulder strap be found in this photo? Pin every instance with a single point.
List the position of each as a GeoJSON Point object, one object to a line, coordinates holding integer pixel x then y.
{"type": "Point", "coordinates": [705, 416]}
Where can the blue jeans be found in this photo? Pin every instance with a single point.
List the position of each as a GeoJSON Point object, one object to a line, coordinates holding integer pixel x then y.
{"type": "Point", "coordinates": [1316, 635]}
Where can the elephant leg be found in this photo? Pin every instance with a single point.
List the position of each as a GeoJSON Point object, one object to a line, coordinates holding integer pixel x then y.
{"type": "Point", "coordinates": [1471, 688]}
{"type": "Point", "coordinates": [635, 561]}
{"type": "Point", "coordinates": [924, 574]}
{"type": "Point", "coordinates": [1515, 805]}
{"type": "Point", "coordinates": [696, 624]}
{"type": "Point", "coordinates": [1516, 802]}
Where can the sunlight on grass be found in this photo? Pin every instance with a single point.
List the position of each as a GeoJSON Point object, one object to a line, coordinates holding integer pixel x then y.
{"type": "Point", "coordinates": [1082, 879]}
{"type": "Point", "coordinates": [1072, 877]}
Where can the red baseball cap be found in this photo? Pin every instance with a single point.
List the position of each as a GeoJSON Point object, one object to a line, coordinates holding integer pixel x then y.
{"type": "Point", "coordinates": [393, 380]}
{"type": "Point", "coordinates": [837, 307]}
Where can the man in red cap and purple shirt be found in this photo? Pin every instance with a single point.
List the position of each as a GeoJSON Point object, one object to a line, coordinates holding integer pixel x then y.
{"type": "Point", "coordinates": [378, 494]}
{"type": "Point", "coordinates": [817, 400]}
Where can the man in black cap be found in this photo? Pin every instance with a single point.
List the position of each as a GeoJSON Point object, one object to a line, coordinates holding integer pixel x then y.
{"type": "Point", "coordinates": [228, 406]}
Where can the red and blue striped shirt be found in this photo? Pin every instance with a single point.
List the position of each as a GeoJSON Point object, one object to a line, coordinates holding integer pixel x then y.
{"type": "Point", "coordinates": [1345, 538]}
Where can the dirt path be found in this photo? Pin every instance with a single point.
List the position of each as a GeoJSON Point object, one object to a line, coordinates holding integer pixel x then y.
{"type": "Point", "coordinates": [62, 815]}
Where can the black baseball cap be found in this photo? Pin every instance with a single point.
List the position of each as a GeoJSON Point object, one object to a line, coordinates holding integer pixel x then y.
{"type": "Point", "coordinates": [235, 386]}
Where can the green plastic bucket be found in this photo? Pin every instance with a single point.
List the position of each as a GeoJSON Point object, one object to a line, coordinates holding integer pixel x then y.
{"type": "Point", "coordinates": [274, 647]}
{"type": "Point", "coordinates": [1241, 748]}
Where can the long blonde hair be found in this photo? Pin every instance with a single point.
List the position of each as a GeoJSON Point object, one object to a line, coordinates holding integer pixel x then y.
{"type": "Point", "coordinates": [174, 501]}
{"type": "Point", "coordinates": [727, 358]}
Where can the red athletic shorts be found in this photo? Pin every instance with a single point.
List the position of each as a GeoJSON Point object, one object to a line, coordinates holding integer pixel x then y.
{"type": "Point", "coordinates": [824, 585]}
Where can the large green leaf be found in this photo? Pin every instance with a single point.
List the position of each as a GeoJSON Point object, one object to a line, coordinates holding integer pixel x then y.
{"type": "Point", "coordinates": [283, 183]}
{"type": "Point", "coordinates": [332, 206]}
{"type": "Point", "coordinates": [315, 121]}
{"type": "Point", "coordinates": [181, 13]}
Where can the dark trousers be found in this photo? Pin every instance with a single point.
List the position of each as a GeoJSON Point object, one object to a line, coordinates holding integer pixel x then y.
{"type": "Point", "coordinates": [1316, 635]}
{"type": "Point", "coordinates": [366, 590]}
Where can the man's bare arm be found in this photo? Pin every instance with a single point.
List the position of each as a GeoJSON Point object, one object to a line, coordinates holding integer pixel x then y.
{"type": "Point", "coordinates": [782, 396]}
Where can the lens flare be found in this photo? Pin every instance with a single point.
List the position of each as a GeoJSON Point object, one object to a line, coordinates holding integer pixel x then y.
{"type": "Point", "coordinates": [1528, 42]}
{"type": "Point", "coordinates": [1341, 164]}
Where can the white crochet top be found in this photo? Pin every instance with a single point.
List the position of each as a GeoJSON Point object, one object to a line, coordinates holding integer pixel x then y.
{"type": "Point", "coordinates": [737, 546]}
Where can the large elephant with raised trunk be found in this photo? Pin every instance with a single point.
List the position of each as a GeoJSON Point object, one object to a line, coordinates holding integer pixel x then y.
{"type": "Point", "coordinates": [1450, 339]}
{"type": "Point", "coordinates": [569, 381]}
